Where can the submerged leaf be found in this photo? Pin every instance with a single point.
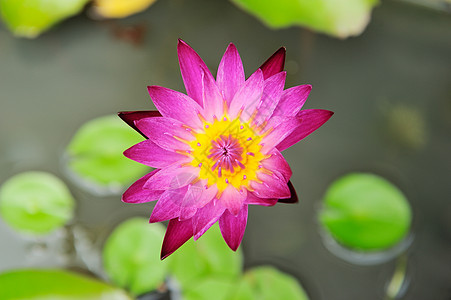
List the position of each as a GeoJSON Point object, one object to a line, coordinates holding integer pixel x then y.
{"type": "Point", "coordinates": [35, 202]}
{"type": "Point", "coordinates": [55, 284]}
{"type": "Point", "coordinates": [366, 212]}
{"type": "Point", "coordinates": [336, 17]}
{"type": "Point", "coordinates": [29, 18]}
{"type": "Point", "coordinates": [131, 256]}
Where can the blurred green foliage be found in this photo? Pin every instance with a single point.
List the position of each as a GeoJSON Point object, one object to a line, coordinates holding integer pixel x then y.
{"type": "Point", "coordinates": [335, 17]}
{"type": "Point", "coordinates": [35, 202]}
{"type": "Point", "coordinates": [131, 256]}
{"type": "Point", "coordinates": [29, 18]}
{"type": "Point", "coordinates": [55, 284]}
{"type": "Point", "coordinates": [207, 257]}
{"type": "Point", "coordinates": [365, 212]}
{"type": "Point", "coordinates": [95, 152]}
{"type": "Point", "coordinates": [267, 283]}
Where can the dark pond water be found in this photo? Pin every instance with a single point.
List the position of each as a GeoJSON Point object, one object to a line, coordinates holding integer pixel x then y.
{"type": "Point", "coordinates": [83, 69]}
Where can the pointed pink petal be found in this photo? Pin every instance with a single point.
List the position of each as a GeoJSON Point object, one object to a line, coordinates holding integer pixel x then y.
{"type": "Point", "coordinates": [177, 234]}
{"type": "Point", "coordinates": [233, 199]}
{"type": "Point", "coordinates": [150, 154]}
{"type": "Point", "coordinates": [311, 119]}
{"type": "Point", "coordinates": [168, 206]}
{"type": "Point", "coordinates": [130, 117]}
{"type": "Point", "coordinates": [272, 186]}
{"type": "Point", "coordinates": [166, 133]}
{"type": "Point", "coordinates": [172, 177]}
{"type": "Point", "coordinates": [276, 162]}
{"type": "Point", "coordinates": [247, 97]}
{"type": "Point", "coordinates": [190, 202]}
{"type": "Point", "coordinates": [292, 100]}
{"type": "Point", "coordinates": [230, 73]}
{"type": "Point", "coordinates": [175, 105]}
{"type": "Point", "coordinates": [212, 98]}
{"type": "Point", "coordinates": [274, 64]}
{"type": "Point", "coordinates": [137, 194]}
{"type": "Point", "coordinates": [196, 197]}
{"type": "Point", "coordinates": [272, 92]}
{"type": "Point", "coordinates": [294, 196]}
{"type": "Point", "coordinates": [284, 127]}
{"type": "Point", "coordinates": [208, 194]}
{"type": "Point", "coordinates": [232, 227]}
{"type": "Point", "coordinates": [191, 68]}
{"type": "Point", "coordinates": [252, 199]}
{"type": "Point", "coordinates": [206, 217]}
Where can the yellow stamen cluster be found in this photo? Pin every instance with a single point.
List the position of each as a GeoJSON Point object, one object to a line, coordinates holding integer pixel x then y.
{"type": "Point", "coordinates": [249, 142]}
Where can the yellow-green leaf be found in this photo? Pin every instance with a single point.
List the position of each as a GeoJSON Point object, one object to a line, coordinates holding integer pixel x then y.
{"type": "Point", "coordinates": [55, 284]}
{"type": "Point", "coordinates": [341, 18]}
{"type": "Point", "coordinates": [29, 18]}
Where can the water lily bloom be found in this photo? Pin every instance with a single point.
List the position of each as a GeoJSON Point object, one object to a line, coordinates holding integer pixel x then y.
{"type": "Point", "coordinates": [217, 149]}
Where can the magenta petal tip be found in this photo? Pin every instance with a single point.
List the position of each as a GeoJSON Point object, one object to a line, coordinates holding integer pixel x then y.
{"type": "Point", "coordinates": [274, 64]}
{"type": "Point", "coordinates": [177, 234]}
{"type": "Point", "coordinates": [293, 198]}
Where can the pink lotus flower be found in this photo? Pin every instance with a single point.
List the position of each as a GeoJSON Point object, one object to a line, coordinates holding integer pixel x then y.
{"type": "Point", "coordinates": [217, 149]}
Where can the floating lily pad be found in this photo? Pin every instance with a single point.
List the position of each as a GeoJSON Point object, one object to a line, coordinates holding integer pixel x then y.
{"type": "Point", "coordinates": [335, 17]}
{"type": "Point", "coordinates": [35, 202]}
{"type": "Point", "coordinates": [209, 288]}
{"type": "Point", "coordinates": [267, 283]}
{"type": "Point", "coordinates": [55, 284]}
{"type": "Point", "coordinates": [366, 212]}
{"type": "Point", "coordinates": [29, 18]}
{"type": "Point", "coordinates": [131, 256]}
{"type": "Point", "coordinates": [207, 257]}
{"type": "Point", "coordinates": [95, 156]}
{"type": "Point", "coordinates": [120, 8]}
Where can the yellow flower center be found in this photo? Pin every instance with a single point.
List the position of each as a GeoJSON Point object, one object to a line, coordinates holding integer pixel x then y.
{"type": "Point", "coordinates": [227, 152]}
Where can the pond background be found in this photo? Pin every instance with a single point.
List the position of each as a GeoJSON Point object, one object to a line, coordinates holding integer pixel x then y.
{"type": "Point", "coordinates": [83, 69]}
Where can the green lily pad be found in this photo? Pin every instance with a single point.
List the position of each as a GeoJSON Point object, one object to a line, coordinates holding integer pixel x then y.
{"type": "Point", "coordinates": [335, 17]}
{"type": "Point", "coordinates": [366, 212]}
{"type": "Point", "coordinates": [209, 288]}
{"type": "Point", "coordinates": [35, 202]}
{"type": "Point", "coordinates": [267, 283]}
{"type": "Point", "coordinates": [207, 257]}
{"type": "Point", "coordinates": [29, 18]}
{"type": "Point", "coordinates": [55, 284]}
{"type": "Point", "coordinates": [95, 153]}
{"type": "Point", "coordinates": [131, 256]}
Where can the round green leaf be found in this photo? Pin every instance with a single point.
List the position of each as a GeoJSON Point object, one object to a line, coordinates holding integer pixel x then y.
{"type": "Point", "coordinates": [366, 212]}
{"type": "Point", "coordinates": [95, 153]}
{"type": "Point", "coordinates": [29, 18]}
{"type": "Point", "coordinates": [335, 17]}
{"type": "Point", "coordinates": [55, 284]}
{"type": "Point", "coordinates": [208, 288]}
{"type": "Point", "coordinates": [207, 257]}
{"type": "Point", "coordinates": [131, 256]}
{"type": "Point", "coordinates": [35, 202]}
{"type": "Point", "coordinates": [267, 283]}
